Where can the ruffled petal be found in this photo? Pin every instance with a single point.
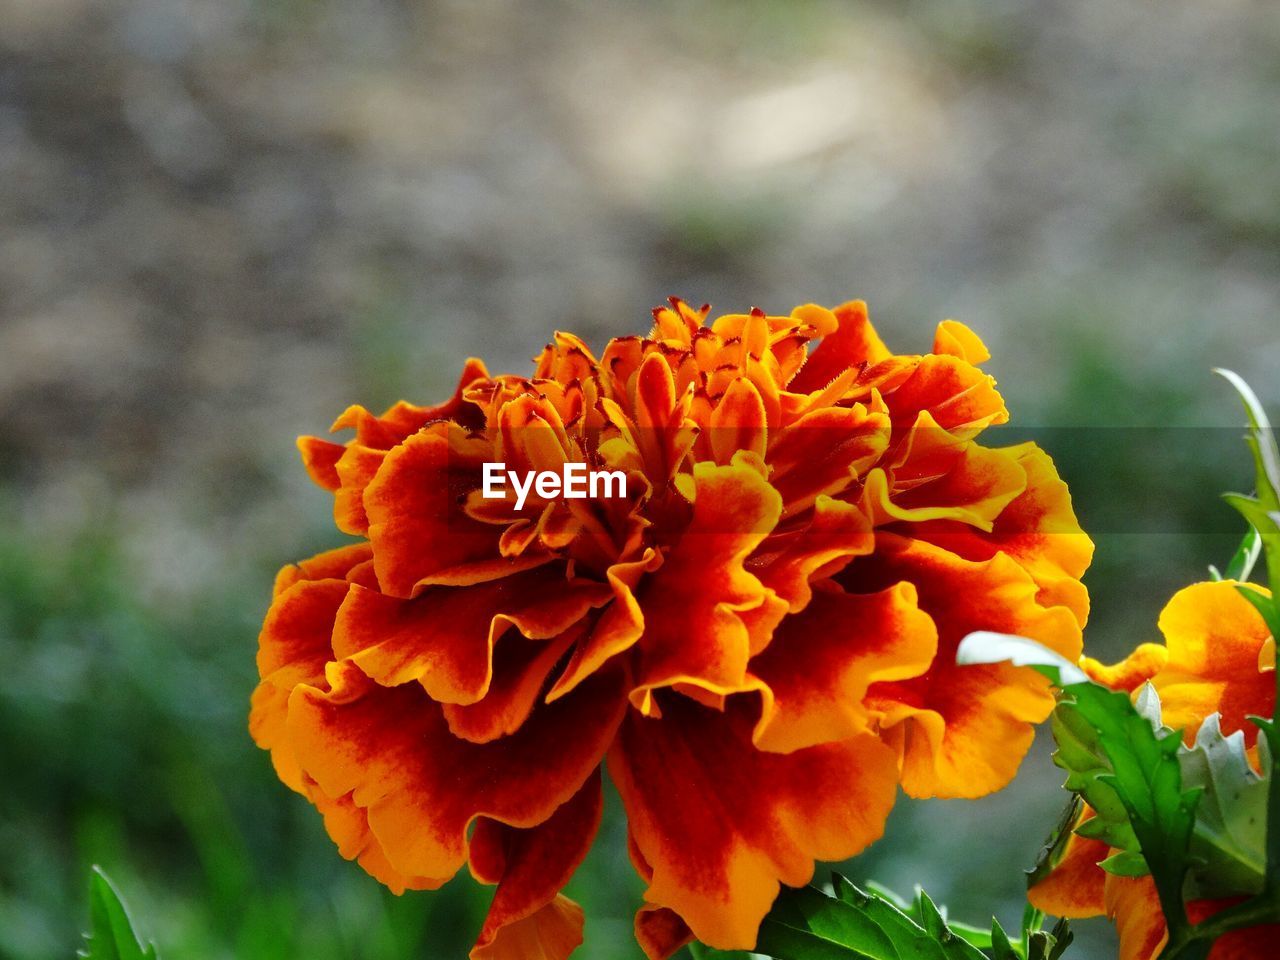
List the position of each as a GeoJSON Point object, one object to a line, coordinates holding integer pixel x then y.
{"type": "Point", "coordinates": [536, 864]}
{"type": "Point", "coordinates": [551, 932]}
{"type": "Point", "coordinates": [854, 342]}
{"type": "Point", "coordinates": [970, 733]}
{"type": "Point", "coordinates": [444, 638]}
{"type": "Point", "coordinates": [392, 750]}
{"type": "Point", "coordinates": [520, 673]}
{"type": "Point", "coordinates": [268, 714]}
{"type": "Point", "coordinates": [320, 458]}
{"type": "Point", "coordinates": [822, 662]}
{"type": "Point", "coordinates": [617, 629]}
{"type": "Point", "coordinates": [419, 531]}
{"type": "Point", "coordinates": [963, 731]}
{"type": "Point", "coordinates": [346, 469]}
{"type": "Point", "coordinates": [957, 395]}
{"type": "Point", "coordinates": [330, 565]}
{"type": "Point", "coordinates": [403, 419]}
{"type": "Point", "coordinates": [723, 824]}
{"type": "Point", "coordinates": [295, 644]}
{"type": "Point", "coordinates": [1038, 529]}
{"type": "Point", "coordinates": [833, 533]}
{"type": "Point", "coordinates": [693, 633]}
{"type": "Point", "coordinates": [296, 638]}
{"type": "Point", "coordinates": [660, 932]}
{"type": "Point", "coordinates": [825, 452]}
{"type": "Point", "coordinates": [348, 826]}
{"type": "Point", "coordinates": [957, 340]}
{"type": "Point", "coordinates": [1214, 637]}
{"type": "Point", "coordinates": [973, 492]}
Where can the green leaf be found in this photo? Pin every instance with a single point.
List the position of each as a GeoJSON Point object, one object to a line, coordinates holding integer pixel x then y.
{"type": "Point", "coordinates": [1091, 774]}
{"type": "Point", "coordinates": [1246, 556]}
{"type": "Point", "coordinates": [1229, 842]}
{"type": "Point", "coordinates": [807, 924]}
{"type": "Point", "coordinates": [1032, 916]}
{"type": "Point", "coordinates": [1261, 438]}
{"type": "Point", "coordinates": [1262, 510]}
{"type": "Point", "coordinates": [974, 936]}
{"type": "Point", "coordinates": [928, 915]}
{"type": "Point", "coordinates": [1126, 863]}
{"type": "Point", "coordinates": [847, 892]}
{"type": "Point", "coordinates": [877, 924]}
{"type": "Point", "coordinates": [1146, 777]}
{"type": "Point", "coordinates": [1053, 944]}
{"type": "Point", "coordinates": [1036, 944]}
{"type": "Point", "coordinates": [1001, 947]}
{"type": "Point", "coordinates": [111, 935]}
{"type": "Point", "coordinates": [1121, 761]}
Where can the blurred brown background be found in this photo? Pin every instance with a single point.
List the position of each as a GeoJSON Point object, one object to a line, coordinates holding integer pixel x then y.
{"type": "Point", "coordinates": [222, 222]}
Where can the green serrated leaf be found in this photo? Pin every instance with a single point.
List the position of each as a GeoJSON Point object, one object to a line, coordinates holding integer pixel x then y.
{"type": "Point", "coordinates": [884, 893]}
{"type": "Point", "coordinates": [854, 924]}
{"type": "Point", "coordinates": [974, 936]}
{"type": "Point", "coordinates": [111, 935]}
{"type": "Point", "coordinates": [1126, 863]}
{"type": "Point", "coordinates": [1147, 778]}
{"type": "Point", "coordinates": [807, 924]}
{"type": "Point", "coordinates": [1121, 761]}
{"type": "Point", "coordinates": [1082, 755]}
{"type": "Point", "coordinates": [1229, 842]}
{"type": "Point", "coordinates": [1112, 827]}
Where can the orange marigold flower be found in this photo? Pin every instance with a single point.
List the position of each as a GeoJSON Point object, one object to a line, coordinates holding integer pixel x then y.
{"type": "Point", "coordinates": [1218, 657]}
{"type": "Point", "coordinates": [758, 640]}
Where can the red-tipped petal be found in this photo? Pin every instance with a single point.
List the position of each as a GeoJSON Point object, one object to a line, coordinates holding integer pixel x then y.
{"type": "Point", "coordinates": [723, 824]}
{"type": "Point", "coordinates": [823, 660]}
{"type": "Point", "coordinates": [392, 750]}
{"type": "Point", "coordinates": [537, 863]}
{"type": "Point", "coordinates": [855, 342]}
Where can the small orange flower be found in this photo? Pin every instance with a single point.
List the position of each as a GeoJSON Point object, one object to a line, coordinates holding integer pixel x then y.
{"type": "Point", "coordinates": [1218, 657]}
{"type": "Point", "coordinates": [758, 639]}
